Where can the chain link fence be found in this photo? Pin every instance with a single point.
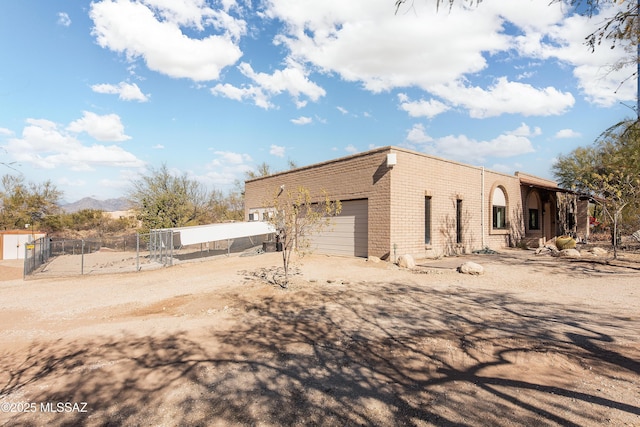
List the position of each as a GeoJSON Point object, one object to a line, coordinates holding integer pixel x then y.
{"type": "Point", "coordinates": [36, 254]}
{"type": "Point", "coordinates": [131, 253]}
{"type": "Point", "coordinates": [165, 247]}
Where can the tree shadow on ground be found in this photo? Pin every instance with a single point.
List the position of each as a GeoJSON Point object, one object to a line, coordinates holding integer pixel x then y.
{"type": "Point", "coordinates": [374, 354]}
{"type": "Point", "coordinates": [557, 265]}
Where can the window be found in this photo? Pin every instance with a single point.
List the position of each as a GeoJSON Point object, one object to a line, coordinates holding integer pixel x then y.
{"type": "Point", "coordinates": [571, 217]}
{"type": "Point", "coordinates": [533, 203]}
{"type": "Point", "coordinates": [534, 219]}
{"type": "Point", "coordinates": [499, 203]}
{"type": "Point", "coordinates": [499, 215]}
{"type": "Point", "coordinates": [458, 221]}
{"type": "Point", "coordinates": [427, 220]}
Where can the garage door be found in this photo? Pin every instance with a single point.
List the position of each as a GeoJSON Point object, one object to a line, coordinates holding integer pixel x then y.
{"type": "Point", "coordinates": [348, 233]}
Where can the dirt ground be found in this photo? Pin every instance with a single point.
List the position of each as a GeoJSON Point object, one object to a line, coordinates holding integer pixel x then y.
{"type": "Point", "coordinates": [535, 340]}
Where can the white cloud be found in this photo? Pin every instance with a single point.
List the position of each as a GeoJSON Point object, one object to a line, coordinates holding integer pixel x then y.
{"type": "Point", "coordinates": [438, 52]}
{"type": "Point", "coordinates": [276, 150]}
{"type": "Point", "coordinates": [422, 108]}
{"type": "Point", "coordinates": [45, 145]}
{"type": "Point", "coordinates": [351, 149]}
{"type": "Point", "coordinates": [441, 51]}
{"type": "Point", "coordinates": [63, 19]}
{"type": "Point", "coordinates": [293, 80]}
{"type": "Point", "coordinates": [567, 133]}
{"type": "Point", "coordinates": [302, 120]}
{"type": "Point", "coordinates": [507, 97]}
{"type": "Point", "coordinates": [229, 157]}
{"type": "Point", "coordinates": [103, 128]}
{"type": "Point", "coordinates": [525, 130]}
{"type": "Point", "coordinates": [418, 135]}
{"type": "Point", "coordinates": [125, 91]}
{"type": "Point", "coordinates": [227, 167]}
{"type": "Point", "coordinates": [367, 43]}
{"type": "Point", "coordinates": [465, 149]}
{"type": "Point", "coordinates": [158, 147]}
{"type": "Point", "coordinates": [254, 93]}
{"type": "Point", "coordinates": [342, 110]}
{"type": "Point", "coordinates": [64, 181]}
{"type": "Point", "coordinates": [564, 40]}
{"type": "Point", "coordinates": [5, 131]}
{"type": "Point", "coordinates": [152, 30]}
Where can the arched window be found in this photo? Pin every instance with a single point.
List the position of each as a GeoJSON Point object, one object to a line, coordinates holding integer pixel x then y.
{"type": "Point", "coordinates": [499, 203]}
{"type": "Point", "coordinates": [533, 205]}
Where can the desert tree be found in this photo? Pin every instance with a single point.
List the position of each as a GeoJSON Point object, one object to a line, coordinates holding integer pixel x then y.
{"type": "Point", "coordinates": [23, 203]}
{"type": "Point", "coordinates": [164, 200]}
{"type": "Point", "coordinates": [295, 215]}
{"type": "Point", "coordinates": [263, 169]}
{"type": "Point", "coordinates": [609, 172]}
{"type": "Point", "coordinates": [223, 207]}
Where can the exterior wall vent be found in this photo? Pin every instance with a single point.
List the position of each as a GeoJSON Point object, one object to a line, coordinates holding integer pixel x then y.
{"type": "Point", "coordinates": [391, 160]}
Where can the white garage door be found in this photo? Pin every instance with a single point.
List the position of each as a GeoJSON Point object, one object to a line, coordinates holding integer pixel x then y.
{"type": "Point", "coordinates": [348, 233]}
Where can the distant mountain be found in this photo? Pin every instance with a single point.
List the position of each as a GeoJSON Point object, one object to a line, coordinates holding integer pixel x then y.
{"type": "Point", "coordinates": [109, 205]}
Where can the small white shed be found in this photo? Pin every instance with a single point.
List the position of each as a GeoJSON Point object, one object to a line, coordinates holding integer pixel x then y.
{"type": "Point", "coordinates": [13, 242]}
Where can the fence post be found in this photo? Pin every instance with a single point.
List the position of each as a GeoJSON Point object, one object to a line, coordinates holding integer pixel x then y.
{"type": "Point", "coordinates": [137, 251]}
{"type": "Point", "coordinates": [33, 252]}
{"type": "Point", "coordinates": [171, 252]}
{"type": "Point", "coordinates": [25, 264]}
{"type": "Point", "coordinates": [82, 259]}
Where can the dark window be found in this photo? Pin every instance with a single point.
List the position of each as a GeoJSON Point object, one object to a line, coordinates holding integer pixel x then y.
{"type": "Point", "coordinates": [534, 219]}
{"type": "Point", "coordinates": [499, 217]}
{"type": "Point", "coordinates": [571, 218]}
{"type": "Point", "coordinates": [458, 221]}
{"type": "Point", "coordinates": [427, 220]}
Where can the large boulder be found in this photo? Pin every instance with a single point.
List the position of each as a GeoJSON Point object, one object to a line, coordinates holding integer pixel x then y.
{"type": "Point", "coordinates": [471, 268]}
{"type": "Point", "coordinates": [598, 251]}
{"type": "Point", "coordinates": [569, 253]}
{"type": "Point", "coordinates": [547, 250]}
{"type": "Point", "coordinates": [406, 261]}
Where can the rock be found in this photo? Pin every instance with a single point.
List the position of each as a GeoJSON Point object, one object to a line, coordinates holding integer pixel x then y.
{"type": "Point", "coordinates": [569, 253]}
{"type": "Point", "coordinates": [471, 268]}
{"type": "Point", "coordinates": [406, 261]}
{"type": "Point", "coordinates": [547, 250]}
{"type": "Point", "coordinates": [598, 251]}
{"type": "Point", "coordinates": [543, 251]}
{"type": "Point", "coordinates": [374, 259]}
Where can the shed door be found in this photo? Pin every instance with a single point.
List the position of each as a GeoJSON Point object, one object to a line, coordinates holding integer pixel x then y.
{"type": "Point", "coordinates": [348, 232]}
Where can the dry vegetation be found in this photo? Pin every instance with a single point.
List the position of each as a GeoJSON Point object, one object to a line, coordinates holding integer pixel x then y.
{"type": "Point", "coordinates": [536, 340]}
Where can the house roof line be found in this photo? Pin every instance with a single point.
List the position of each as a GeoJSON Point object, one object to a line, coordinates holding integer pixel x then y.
{"type": "Point", "coordinates": [388, 148]}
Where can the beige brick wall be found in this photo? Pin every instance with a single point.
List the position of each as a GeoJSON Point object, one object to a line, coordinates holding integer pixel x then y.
{"type": "Point", "coordinates": [418, 175]}
{"type": "Point", "coordinates": [361, 176]}
{"type": "Point", "coordinates": [396, 223]}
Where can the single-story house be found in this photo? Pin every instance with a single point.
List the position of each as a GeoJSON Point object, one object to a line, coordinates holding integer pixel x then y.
{"type": "Point", "coordinates": [397, 201]}
{"type": "Point", "coordinates": [13, 243]}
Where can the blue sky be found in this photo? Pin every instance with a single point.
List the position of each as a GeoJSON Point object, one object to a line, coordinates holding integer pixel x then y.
{"type": "Point", "coordinates": [93, 94]}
